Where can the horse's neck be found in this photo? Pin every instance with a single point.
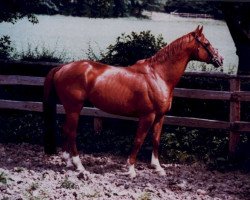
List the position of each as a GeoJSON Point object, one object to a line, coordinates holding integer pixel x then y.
{"type": "Point", "coordinates": [172, 66]}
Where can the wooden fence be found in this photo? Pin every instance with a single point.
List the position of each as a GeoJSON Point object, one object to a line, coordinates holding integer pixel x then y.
{"type": "Point", "coordinates": [235, 126]}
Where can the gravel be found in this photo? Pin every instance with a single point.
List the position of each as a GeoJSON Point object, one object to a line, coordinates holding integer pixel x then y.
{"type": "Point", "coordinates": [26, 173]}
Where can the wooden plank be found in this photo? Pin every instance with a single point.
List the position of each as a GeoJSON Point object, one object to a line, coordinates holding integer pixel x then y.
{"type": "Point", "coordinates": [242, 126]}
{"type": "Point", "coordinates": [94, 112]}
{"type": "Point", "coordinates": [202, 94]}
{"type": "Point", "coordinates": [21, 105]}
{"type": "Point", "coordinates": [39, 63]}
{"type": "Point", "coordinates": [21, 80]}
{"type": "Point", "coordinates": [234, 136]}
{"type": "Point", "coordinates": [242, 95]}
{"type": "Point", "coordinates": [26, 68]}
{"type": "Point", "coordinates": [196, 122]}
{"type": "Point", "coordinates": [209, 75]}
{"type": "Point", "coordinates": [178, 92]}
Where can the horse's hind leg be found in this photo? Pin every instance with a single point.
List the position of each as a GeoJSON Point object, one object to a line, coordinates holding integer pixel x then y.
{"type": "Point", "coordinates": [157, 127]}
{"type": "Point", "coordinates": [65, 146]}
{"type": "Point", "coordinates": [69, 130]}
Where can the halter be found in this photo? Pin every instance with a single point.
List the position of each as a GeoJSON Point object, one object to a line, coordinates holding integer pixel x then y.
{"type": "Point", "coordinates": [213, 57]}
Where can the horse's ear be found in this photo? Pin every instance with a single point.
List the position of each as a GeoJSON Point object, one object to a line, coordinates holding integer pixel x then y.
{"type": "Point", "coordinates": [198, 31]}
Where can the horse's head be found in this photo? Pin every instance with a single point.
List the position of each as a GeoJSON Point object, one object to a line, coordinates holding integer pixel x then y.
{"type": "Point", "coordinates": [204, 51]}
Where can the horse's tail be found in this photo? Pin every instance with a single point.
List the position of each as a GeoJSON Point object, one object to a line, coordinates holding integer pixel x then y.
{"type": "Point", "coordinates": [49, 111]}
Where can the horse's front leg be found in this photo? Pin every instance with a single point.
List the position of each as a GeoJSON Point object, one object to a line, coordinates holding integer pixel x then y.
{"type": "Point", "coordinates": [144, 125]}
{"type": "Point", "coordinates": [157, 127]}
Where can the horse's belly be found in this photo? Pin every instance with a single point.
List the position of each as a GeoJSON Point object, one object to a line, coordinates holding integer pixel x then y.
{"type": "Point", "coordinates": [114, 104]}
{"type": "Point", "coordinates": [120, 101]}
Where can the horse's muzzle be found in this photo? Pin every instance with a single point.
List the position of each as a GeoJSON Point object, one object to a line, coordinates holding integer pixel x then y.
{"type": "Point", "coordinates": [217, 60]}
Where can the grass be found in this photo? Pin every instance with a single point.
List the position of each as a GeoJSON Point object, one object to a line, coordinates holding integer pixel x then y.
{"type": "Point", "coordinates": [3, 178]}
{"type": "Point", "coordinates": [145, 196]}
{"type": "Point", "coordinates": [67, 184]}
{"type": "Point", "coordinates": [91, 196]}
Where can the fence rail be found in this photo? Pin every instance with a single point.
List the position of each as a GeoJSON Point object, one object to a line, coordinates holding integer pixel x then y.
{"type": "Point", "coordinates": [234, 95]}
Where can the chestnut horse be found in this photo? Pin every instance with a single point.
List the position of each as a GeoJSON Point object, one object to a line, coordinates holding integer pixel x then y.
{"type": "Point", "coordinates": [143, 90]}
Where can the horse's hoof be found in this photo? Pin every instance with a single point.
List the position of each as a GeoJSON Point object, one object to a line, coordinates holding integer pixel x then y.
{"type": "Point", "coordinates": [132, 175]}
{"type": "Point", "coordinates": [161, 172]}
{"type": "Point", "coordinates": [129, 174]}
{"type": "Point", "coordinates": [69, 164]}
{"type": "Point", "coordinates": [81, 169]}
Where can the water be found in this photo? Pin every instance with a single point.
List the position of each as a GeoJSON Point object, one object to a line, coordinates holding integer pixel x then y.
{"type": "Point", "coordinates": [74, 34]}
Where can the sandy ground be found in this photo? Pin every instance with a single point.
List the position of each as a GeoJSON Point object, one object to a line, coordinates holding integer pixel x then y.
{"type": "Point", "coordinates": [26, 173]}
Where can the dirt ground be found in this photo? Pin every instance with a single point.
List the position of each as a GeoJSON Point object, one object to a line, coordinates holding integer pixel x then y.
{"type": "Point", "coordinates": [26, 173]}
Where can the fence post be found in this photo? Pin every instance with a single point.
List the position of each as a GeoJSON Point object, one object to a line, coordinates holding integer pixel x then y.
{"type": "Point", "coordinates": [234, 136]}
{"type": "Point", "coordinates": [97, 125]}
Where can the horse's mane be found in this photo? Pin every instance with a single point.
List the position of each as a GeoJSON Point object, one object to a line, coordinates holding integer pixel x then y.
{"type": "Point", "coordinates": [170, 50]}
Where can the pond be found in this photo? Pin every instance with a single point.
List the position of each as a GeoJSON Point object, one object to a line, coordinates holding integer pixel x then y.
{"type": "Point", "coordinates": [74, 34]}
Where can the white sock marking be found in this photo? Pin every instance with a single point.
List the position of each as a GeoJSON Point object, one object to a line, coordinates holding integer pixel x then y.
{"type": "Point", "coordinates": [156, 164]}
{"type": "Point", "coordinates": [67, 159]}
{"type": "Point", "coordinates": [131, 170]}
{"type": "Point", "coordinates": [77, 162]}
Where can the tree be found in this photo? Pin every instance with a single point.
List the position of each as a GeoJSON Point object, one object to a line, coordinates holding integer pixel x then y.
{"type": "Point", "coordinates": [237, 16]}
{"type": "Point", "coordinates": [119, 8]}
{"type": "Point", "coordinates": [13, 10]}
{"type": "Point", "coordinates": [101, 8]}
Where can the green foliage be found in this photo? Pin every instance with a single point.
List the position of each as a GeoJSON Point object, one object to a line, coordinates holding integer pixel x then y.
{"type": "Point", "coordinates": [133, 47]}
{"type": "Point", "coordinates": [21, 127]}
{"type": "Point", "coordinates": [3, 178]}
{"type": "Point", "coordinates": [43, 53]}
{"type": "Point", "coordinates": [67, 184]}
{"type": "Point", "coordinates": [6, 48]}
{"type": "Point", "coordinates": [187, 6]}
{"type": "Point", "coordinates": [145, 196]}
{"type": "Point", "coordinates": [12, 10]}
{"type": "Point", "coordinates": [189, 145]}
{"type": "Point", "coordinates": [101, 8]}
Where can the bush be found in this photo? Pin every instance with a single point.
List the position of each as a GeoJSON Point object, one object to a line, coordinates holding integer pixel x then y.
{"type": "Point", "coordinates": [37, 54]}
{"type": "Point", "coordinates": [130, 48]}
{"type": "Point", "coordinates": [6, 48]}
